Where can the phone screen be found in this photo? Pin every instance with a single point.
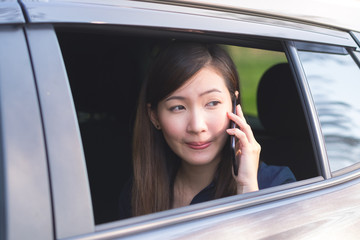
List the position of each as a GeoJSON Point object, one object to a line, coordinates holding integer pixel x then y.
{"type": "Point", "coordinates": [233, 143]}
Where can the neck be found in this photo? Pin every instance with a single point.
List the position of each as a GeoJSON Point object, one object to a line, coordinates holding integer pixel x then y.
{"type": "Point", "coordinates": [196, 177]}
{"type": "Point", "coordinates": [190, 180]}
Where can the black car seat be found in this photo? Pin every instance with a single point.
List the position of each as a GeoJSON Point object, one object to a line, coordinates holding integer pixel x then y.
{"type": "Point", "coordinates": [285, 140]}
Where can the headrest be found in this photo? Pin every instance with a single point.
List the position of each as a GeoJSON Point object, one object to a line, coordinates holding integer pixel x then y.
{"type": "Point", "coordinates": [279, 107]}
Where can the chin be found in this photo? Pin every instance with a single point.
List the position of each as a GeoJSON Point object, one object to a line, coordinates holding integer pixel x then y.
{"type": "Point", "coordinates": [199, 161]}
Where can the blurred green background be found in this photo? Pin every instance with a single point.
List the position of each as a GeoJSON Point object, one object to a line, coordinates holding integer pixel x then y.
{"type": "Point", "coordinates": [251, 64]}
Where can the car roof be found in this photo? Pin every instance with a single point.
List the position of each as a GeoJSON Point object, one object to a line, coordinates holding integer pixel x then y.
{"type": "Point", "coordinates": [342, 15]}
{"type": "Point", "coordinates": [338, 14]}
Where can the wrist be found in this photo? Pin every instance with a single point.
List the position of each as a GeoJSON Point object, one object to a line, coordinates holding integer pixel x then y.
{"type": "Point", "coordinates": [247, 188]}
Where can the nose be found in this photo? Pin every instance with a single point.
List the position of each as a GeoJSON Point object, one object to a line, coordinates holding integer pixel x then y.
{"type": "Point", "coordinates": [197, 122]}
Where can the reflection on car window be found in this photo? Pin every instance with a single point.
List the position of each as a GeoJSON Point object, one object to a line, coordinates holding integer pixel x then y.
{"type": "Point", "coordinates": [334, 83]}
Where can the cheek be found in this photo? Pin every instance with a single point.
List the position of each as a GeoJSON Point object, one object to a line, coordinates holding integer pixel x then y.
{"type": "Point", "coordinates": [219, 122]}
{"type": "Point", "coordinates": [172, 126]}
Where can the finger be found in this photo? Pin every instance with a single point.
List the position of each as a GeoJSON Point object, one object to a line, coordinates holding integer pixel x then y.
{"type": "Point", "coordinates": [238, 152]}
{"type": "Point", "coordinates": [243, 125]}
{"type": "Point", "coordinates": [239, 112]}
{"type": "Point", "coordinates": [240, 135]}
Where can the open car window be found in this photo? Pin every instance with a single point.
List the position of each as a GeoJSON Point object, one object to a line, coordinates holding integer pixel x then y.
{"type": "Point", "coordinates": [106, 71]}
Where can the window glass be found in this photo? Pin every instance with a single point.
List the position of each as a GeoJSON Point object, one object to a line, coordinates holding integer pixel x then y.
{"type": "Point", "coordinates": [334, 81]}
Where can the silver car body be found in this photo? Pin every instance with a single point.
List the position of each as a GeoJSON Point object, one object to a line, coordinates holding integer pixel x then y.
{"type": "Point", "coordinates": [44, 184]}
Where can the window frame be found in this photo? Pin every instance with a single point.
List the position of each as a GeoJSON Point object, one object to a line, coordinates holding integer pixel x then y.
{"type": "Point", "coordinates": [180, 18]}
{"type": "Point", "coordinates": [310, 110]}
{"type": "Point", "coordinates": [356, 36]}
{"type": "Point", "coordinates": [200, 210]}
{"type": "Point", "coordinates": [355, 55]}
{"type": "Point", "coordinates": [62, 135]}
{"type": "Point", "coordinates": [25, 198]}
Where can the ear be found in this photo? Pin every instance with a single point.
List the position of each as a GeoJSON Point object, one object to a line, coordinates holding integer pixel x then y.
{"type": "Point", "coordinates": [153, 117]}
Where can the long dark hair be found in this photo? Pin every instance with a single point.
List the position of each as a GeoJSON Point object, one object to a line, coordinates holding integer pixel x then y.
{"type": "Point", "coordinates": [154, 163]}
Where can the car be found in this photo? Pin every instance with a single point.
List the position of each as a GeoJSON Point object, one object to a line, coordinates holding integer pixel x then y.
{"type": "Point", "coordinates": [70, 75]}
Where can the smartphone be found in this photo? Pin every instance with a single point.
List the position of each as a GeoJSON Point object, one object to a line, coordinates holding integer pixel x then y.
{"type": "Point", "coordinates": [233, 143]}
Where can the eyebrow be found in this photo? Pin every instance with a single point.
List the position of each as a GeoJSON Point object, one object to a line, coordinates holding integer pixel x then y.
{"type": "Point", "coordinates": [202, 94]}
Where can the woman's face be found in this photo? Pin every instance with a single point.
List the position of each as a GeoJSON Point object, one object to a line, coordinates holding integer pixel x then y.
{"type": "Point", "coordinates": [193, 119]}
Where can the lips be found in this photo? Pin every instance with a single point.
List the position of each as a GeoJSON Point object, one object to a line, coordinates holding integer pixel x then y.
{"type": "Point", "coordinates": [198, 145]}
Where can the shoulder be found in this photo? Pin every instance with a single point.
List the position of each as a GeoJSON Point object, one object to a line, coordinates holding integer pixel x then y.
{"type": "Point", "coordinates": [270, 176]}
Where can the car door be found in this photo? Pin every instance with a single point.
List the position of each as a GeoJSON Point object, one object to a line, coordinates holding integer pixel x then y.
{"type": "Point", "coordinates": [75, 50]}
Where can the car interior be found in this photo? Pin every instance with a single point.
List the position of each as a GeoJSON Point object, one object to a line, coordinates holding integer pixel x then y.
{"type": "Point", "coordinates": [286, 140]}
{"type": "Point", "coordinates": [105, 72]}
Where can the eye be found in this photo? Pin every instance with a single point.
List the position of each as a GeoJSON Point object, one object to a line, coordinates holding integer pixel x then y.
{"type": "Point", "coordinates": [177, 108]}
{"type": "Point", "coordinates": [213, 103]}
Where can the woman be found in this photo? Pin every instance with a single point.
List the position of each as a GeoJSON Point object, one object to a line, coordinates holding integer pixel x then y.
{"type": "Point", "coordinates": [181, 152]}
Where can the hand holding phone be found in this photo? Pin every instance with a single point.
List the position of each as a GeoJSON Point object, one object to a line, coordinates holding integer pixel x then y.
{"type": "Point", "coordinates": [245, 151]}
